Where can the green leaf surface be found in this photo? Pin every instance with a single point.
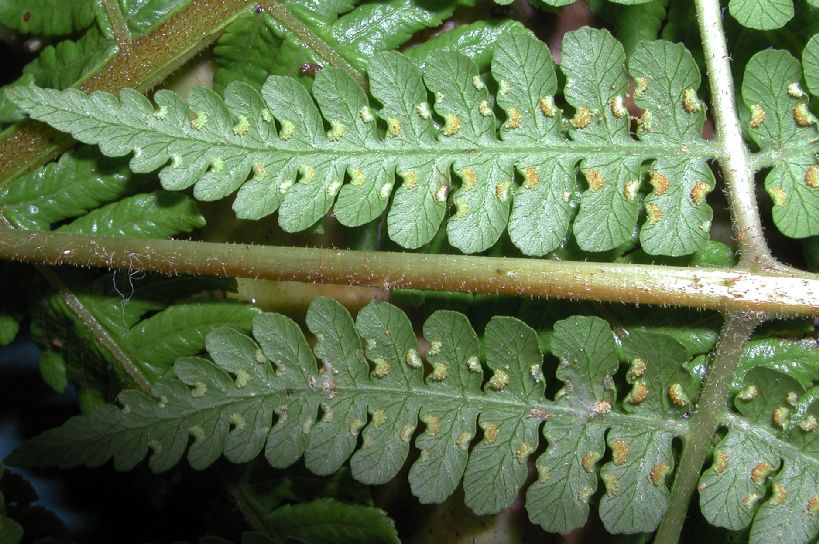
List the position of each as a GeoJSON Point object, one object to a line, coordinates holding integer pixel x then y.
{"type": "Point", "coordinates": [436, 475]}
{"type": "Point", "coordinates": [636, 479]}
{"type": "Point", "coordinates": [780, 117]}
{"type": "Point", "coordinates": [679, 219]}
{"type": "Point", "coordinates": [761, 14]}
{"type": "Point", "coordinates": [356, 34]}
{"type": "Point", "coordinates": [796, 358]}
{"type": "Point", "coordinates": [384, 26]}
{"type": "Point", "coordinates": [299, 168]}
{"type": "Point", "coordinates": [52, 370]}
{"type": "Point", "coordinates": [695, 331]}
{"type": "Point", "coordinates": [68, 62]}
{"type": "Point", "coordinates": [322, 9]}
{"type": "Point", "coordinates": [79, 182]}
{"type": "Point", "coordinates": [635, 23]}
{"type": "Point", "coordinates": [474, 40]}
{"type": "Point", "coordinates": [180, 330]}
{"type": "Point", "coordinates": [246, 51]}
{"type": "Point", "coordinates": [9, 326]}
{"type": "Point", "coordinates": [542, 212]}
{"type": "Point", "coordinates": [328, 521]}
{"type": "Point", "coordinates": [497, 466]}
{"type": "Point", "coordinates": [160, 214]}
{"type": "Point", "coordinates": [567, 476]}
{"type": "Point", "coordinates": [267, 393]}
{"type": "Point", "coordinates": [559, 500]}
{"type": "Point", "coordinates": [48, 17]}
{"type": "Point", "coordinates": [810, 63]}
{"type": "Point", "coordinates": [60, 66]}
{"type": "Point", "coordinates": [748, 483]}
{"type": "Point", "coordinates": [594, 65]}
{"type": "Point", "coordinates": [9, 112]}
{"type": "Point", "coordinates": [142, 16]}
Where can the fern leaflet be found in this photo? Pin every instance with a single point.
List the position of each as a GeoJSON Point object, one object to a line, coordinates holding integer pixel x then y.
{"type": "Point", "coordinates": [299, 168]}
{"type": "Point", "coordinates": [762, 14]}
{"type": "Point", "coordinates": [781, 120]}
{"type": "Point", "coordinates": [733, 490]}
{"type": "Point", "coordinates": [97, 195]}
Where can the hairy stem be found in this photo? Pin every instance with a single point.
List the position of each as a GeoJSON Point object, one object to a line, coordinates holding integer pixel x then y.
{"type": "Point", "coordinates": [140, 64]}
{"type": "Point", "coordinates": [711, 288]}
{"type": "Point", "coordinates": [704, 422]}
{"type": "Point", "coordinates": [736, 167]}
{"type": "Point", "coordinates": [120, 27]}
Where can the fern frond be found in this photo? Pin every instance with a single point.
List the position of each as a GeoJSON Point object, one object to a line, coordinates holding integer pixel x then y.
{"type": "Point", "coordinates": [70, 61]}
{"type": "Point", "coordinates": [231, 403]}
{"type": "Point", "coordinates": [780, 119]}
{"type": "Point", "coordinates": [797, 359]}
{"type": "Point", "coordinates": [60, 66]}
{"type": "Point", "coordinates": [214, 145]}
{"type": "Point", "coordinates": [481, 419]}
{"type": "Point", "coordinates": [323, 10]}
{"type": "Point", "coordinates": [180, 329]}
{"type": "Point", "coordinates": [385, 26]}
{"type": "Point", "coordinates": [160, 214]}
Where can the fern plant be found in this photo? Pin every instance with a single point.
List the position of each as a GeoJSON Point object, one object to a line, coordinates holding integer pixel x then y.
{"type": "Point", "coordinates": [587, 180]}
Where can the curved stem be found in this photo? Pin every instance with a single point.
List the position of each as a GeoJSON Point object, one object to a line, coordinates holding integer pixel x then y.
{"type": "Point", "coordinates": [711, 288]}
{"type": "Point", "coordinates": [118, 23]}
{"type": "Point", "coordinates": [735, 163]}
{"type": "Point", "coordinates": [704, 422]}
